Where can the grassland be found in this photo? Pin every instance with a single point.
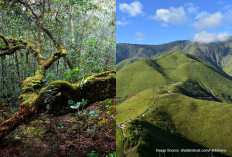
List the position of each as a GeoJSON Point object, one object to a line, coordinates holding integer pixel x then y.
{"type": "Point", "coordinates": [177, 101]}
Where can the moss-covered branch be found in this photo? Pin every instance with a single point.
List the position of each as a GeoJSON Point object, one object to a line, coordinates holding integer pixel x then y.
{"type": "Point", "coordinates": [11, 45]}
{"type": "Point", "coordinates": [61, 50]}
{"type": "Point", "coordinates": [54, 98]}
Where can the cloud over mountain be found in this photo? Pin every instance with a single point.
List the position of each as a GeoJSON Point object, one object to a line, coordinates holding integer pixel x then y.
{"type": "Point", "coordinates": [205, 37]}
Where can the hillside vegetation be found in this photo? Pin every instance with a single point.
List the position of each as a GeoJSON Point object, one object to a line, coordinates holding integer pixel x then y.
{"type": "Point", "coordinates": [175, 101]}
{"type": "Point", "coordinates": [218, 53]}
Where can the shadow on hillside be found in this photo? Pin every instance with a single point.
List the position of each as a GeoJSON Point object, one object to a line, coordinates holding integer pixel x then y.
{"type": "Point", "coordinates": [219, 69]}
{"type": "Point", "coordinates": [152, 138]}
{"type": "Point", "coordinates": [193, 89]}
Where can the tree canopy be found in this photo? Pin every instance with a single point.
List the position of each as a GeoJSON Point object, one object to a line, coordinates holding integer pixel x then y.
{"type": "Point", "coordinates": [35, 35]}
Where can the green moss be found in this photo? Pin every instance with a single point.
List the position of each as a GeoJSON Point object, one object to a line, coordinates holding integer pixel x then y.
{"type": "Point", "coordinates": [32, 83]}
{"type": "Point", "coordinates": [61, 85]}
{"type": "Point", "coordinates": [53, 92]}
{"type": "Point", "coordinates": [97, 77]}
{"type": "Point", "coordinates": [103, 74]}
{"type": "Point", "coordinates": [27, 96]}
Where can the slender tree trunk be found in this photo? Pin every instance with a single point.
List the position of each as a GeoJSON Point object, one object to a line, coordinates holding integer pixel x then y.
{"type": "Point", "coordinates": [18, 71]}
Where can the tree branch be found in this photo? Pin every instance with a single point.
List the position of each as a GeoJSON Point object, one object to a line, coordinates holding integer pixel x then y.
{"type": "Point", "coordinates": [4, 39]}
{"type": "Point", "coordinates": [12, 50]}
{"type": "Point", "coordinates": [61, 50]}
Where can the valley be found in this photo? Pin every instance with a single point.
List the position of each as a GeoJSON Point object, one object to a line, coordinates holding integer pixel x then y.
{"type": "Point", "coordinates": [172, 100]}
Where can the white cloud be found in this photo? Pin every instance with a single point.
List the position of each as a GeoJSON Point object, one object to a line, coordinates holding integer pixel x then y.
{"type": "Point", "coordinates": [205, 37]}
{"type": "Point", "coordinates": [172, 15]}
{"type": "Point", "coordinates": [210, 21]}
{"type": "Point", "coordinates": [133, 9]}
{"type": "Point", "coordinates": [122, 23]}
{"type": "Point", "coordinates": [140, 36]}
{"type": "Point", "coordinates": [202, 15]}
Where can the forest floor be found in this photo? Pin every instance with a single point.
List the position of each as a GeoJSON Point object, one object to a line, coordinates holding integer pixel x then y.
{"type": "Point", "coordinates": [91, 132]}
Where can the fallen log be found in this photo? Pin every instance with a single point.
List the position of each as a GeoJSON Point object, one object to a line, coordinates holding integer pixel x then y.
{"type": "Point", "coordinates": [53, 99]}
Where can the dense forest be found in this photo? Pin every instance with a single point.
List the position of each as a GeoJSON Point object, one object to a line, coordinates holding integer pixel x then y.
{"type": "Point", "coordinates": [57, 77]}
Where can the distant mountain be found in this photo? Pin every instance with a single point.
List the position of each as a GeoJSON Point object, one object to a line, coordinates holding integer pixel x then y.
{"type": "Point", "coordinates": [218, 53]}
{"type": "Point", "coordinates": [126, 51]}
{"type": "Point", "coordinates": [175, 101]}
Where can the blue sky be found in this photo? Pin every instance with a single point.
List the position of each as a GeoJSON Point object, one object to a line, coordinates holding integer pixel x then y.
{"type": "Point", "coordinates": [158, 22]}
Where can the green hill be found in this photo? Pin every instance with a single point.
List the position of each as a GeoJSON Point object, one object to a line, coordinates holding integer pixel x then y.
{"type": "Point", "coordinates": [175, 72]}
{"type": "Point", "coordinates": [218, 53]}
{"type": "Point", "coordinates": [175, 101]}
{"type": "Point", "coordinates": [126, 51]}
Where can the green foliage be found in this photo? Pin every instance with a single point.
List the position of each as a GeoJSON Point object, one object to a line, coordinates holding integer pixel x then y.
{"type": "Point", "coordinates": [81, 83]}
{"type": "Point", "coordinates": [78, 104]}
{"type": "Point", "coordinates": [73, 73]}
{"type": "Point", "coordinates": [61, 126]}
{"type": "Point", "coordinates": [93, 154]}
{"type": "Point", "coordinates": [106, 102]}
{"type": "Point", "coordinates": [112, 154]}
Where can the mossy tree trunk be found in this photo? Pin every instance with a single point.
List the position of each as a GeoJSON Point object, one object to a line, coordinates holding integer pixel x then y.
{"type": "Point", "coordinates": [54, 98]}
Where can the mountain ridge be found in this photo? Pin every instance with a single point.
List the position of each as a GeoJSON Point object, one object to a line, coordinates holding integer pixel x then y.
{"type": "Point", "coordinates": [218, 53]}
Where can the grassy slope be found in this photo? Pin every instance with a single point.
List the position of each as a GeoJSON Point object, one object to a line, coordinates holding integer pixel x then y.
{"type": "Point", "coordinates": [177, 121]}
{"type": "Point", "coordinates": [127, 62]}
{"type": "Point", "coordinates": [135, 106]}
{"type": "Point", "coordinates": [133, 83]}
{"type": "Point", "coordinates": [175, 114]}
{"type": "Point", "coordinates": [170, 71]}
{"type": "Point", "coordinates": [197, 120]}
